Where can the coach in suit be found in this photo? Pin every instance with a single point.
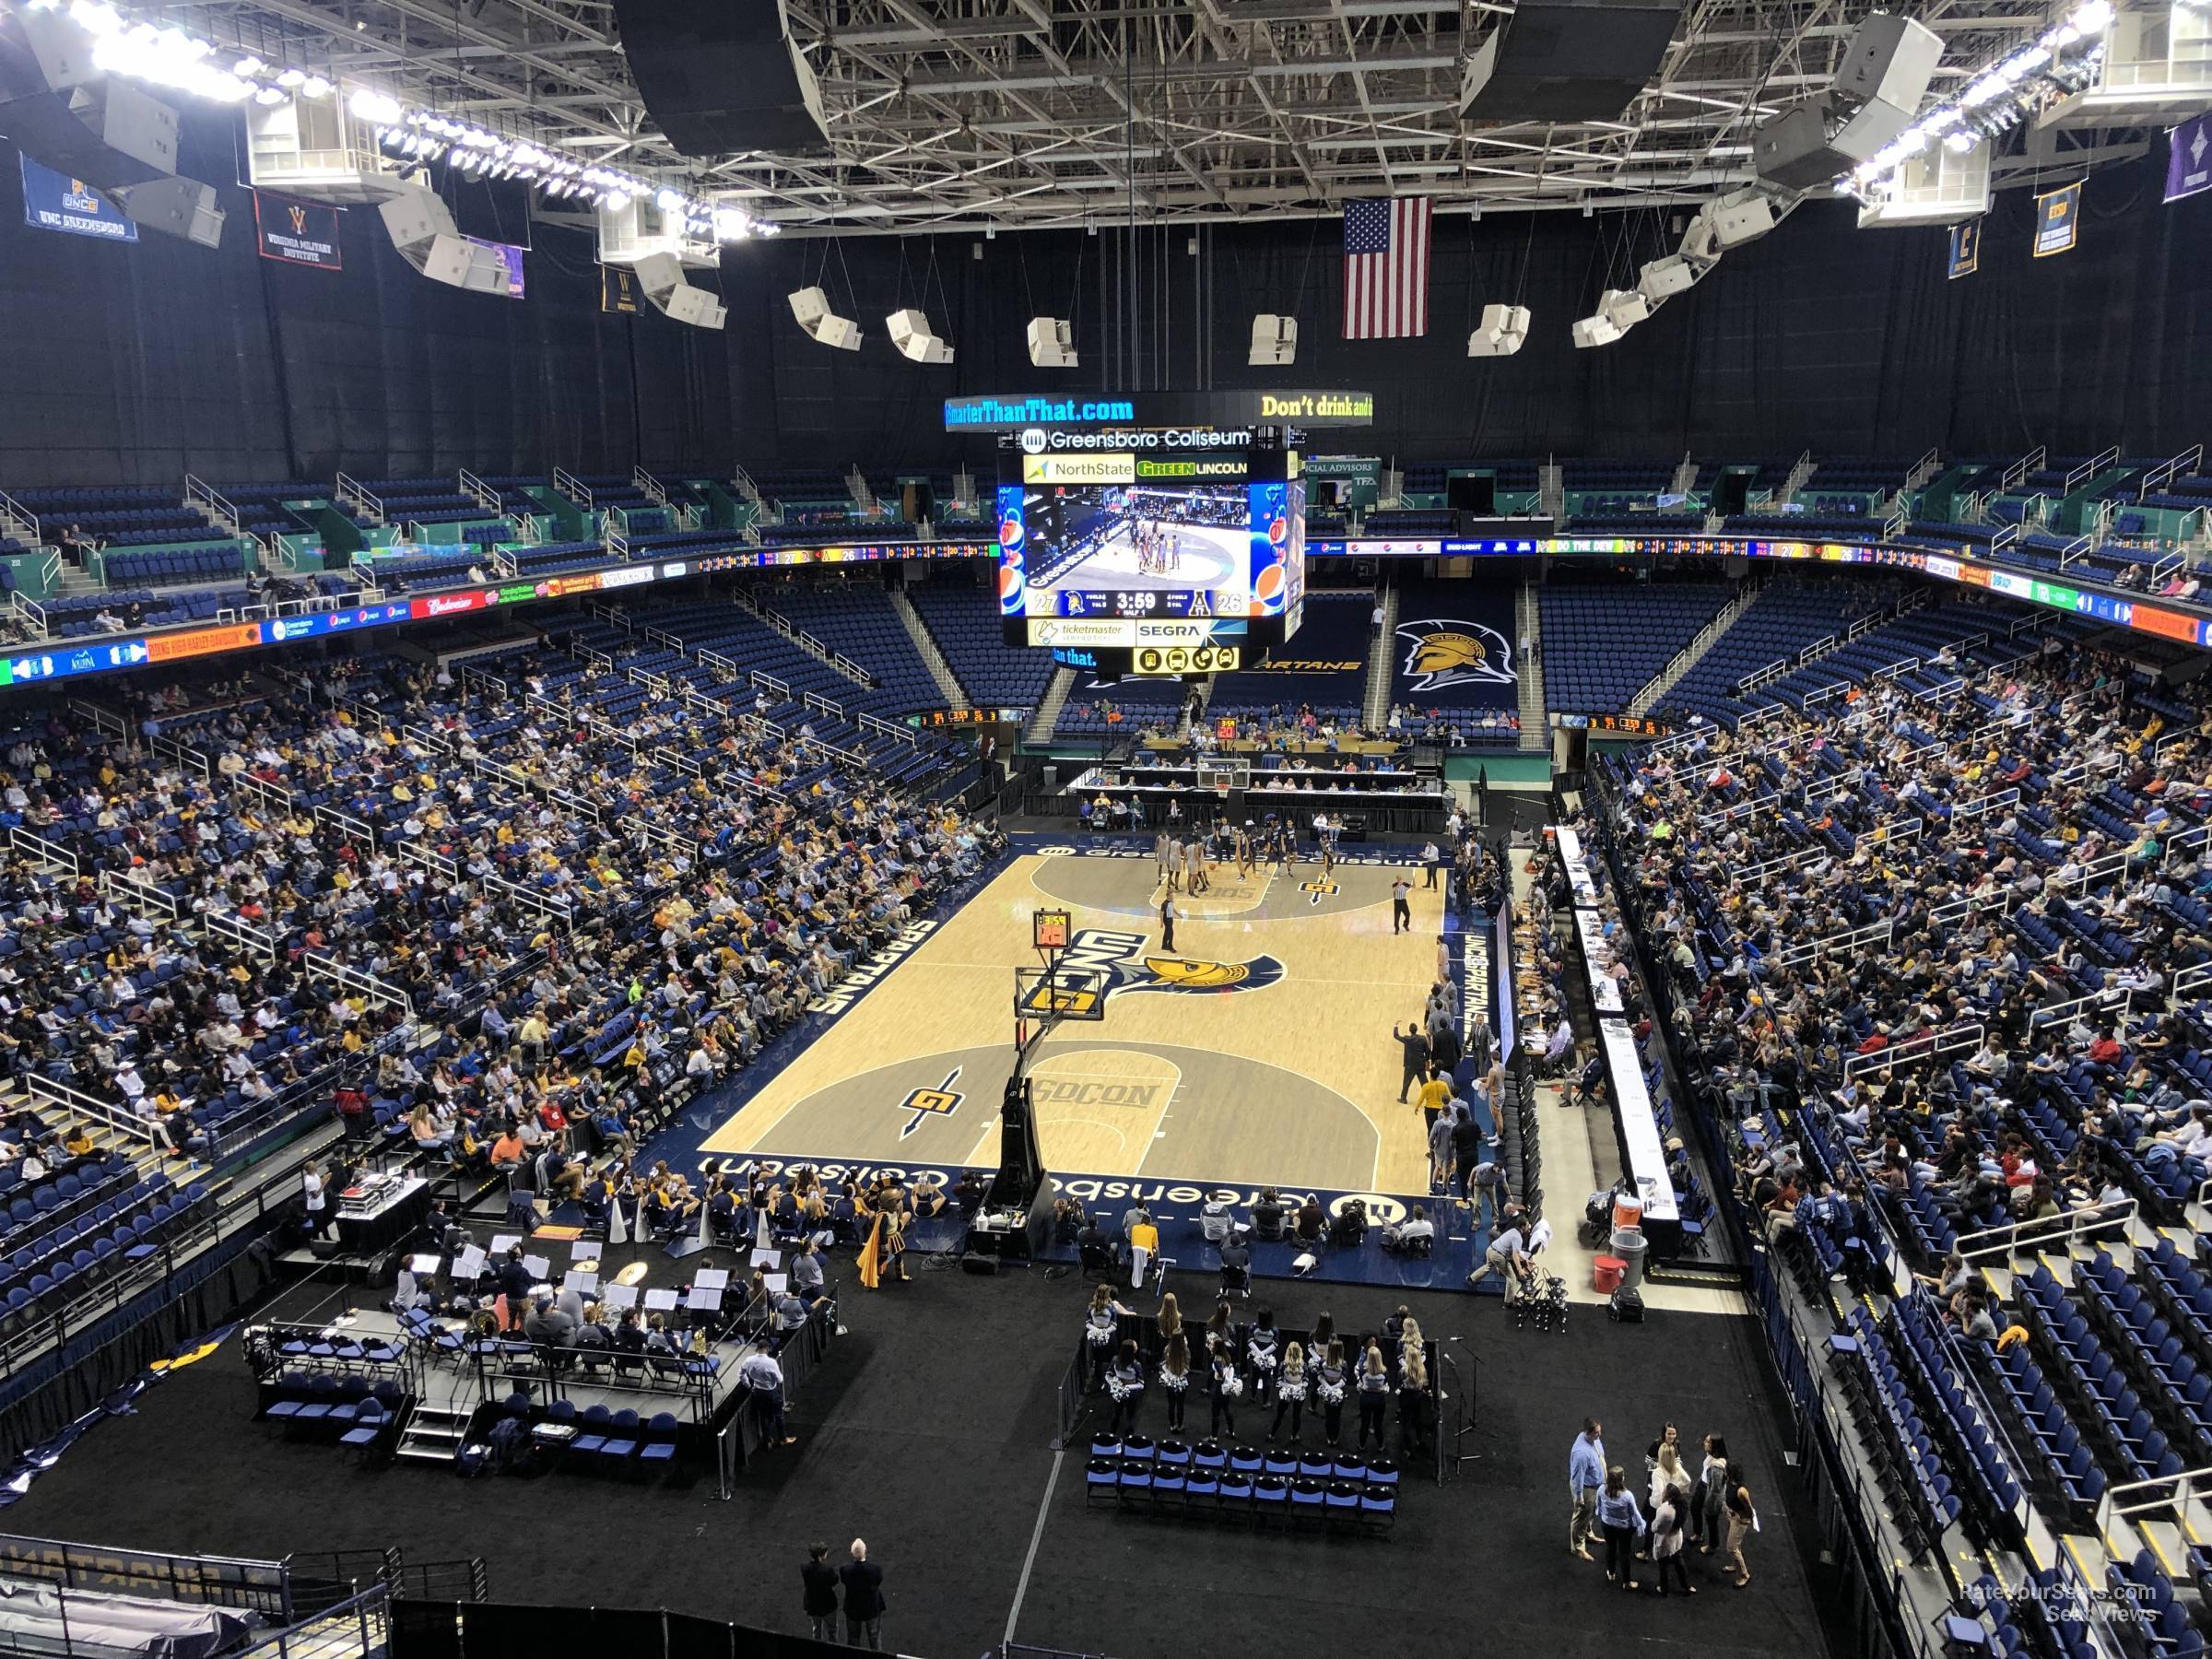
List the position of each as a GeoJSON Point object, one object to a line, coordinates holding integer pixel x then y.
{"type": "Point", "coordinates": [863, 1580]}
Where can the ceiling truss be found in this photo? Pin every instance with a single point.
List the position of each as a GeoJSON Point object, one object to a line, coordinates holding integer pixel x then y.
{"type": "Point", "coordinates": [966, 115]}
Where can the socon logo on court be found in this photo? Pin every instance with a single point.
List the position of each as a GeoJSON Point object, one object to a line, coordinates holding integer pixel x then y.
{"type": "Point", "coordinates": [1447, 652]}
{"type": "Point", "coordinates": [1131, 963]}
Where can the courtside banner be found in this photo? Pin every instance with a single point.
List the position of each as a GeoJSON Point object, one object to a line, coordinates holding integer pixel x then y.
{"type": "Point", "coordinates": [297, 233]}
{"type": "Point", "coordinates": [2057, 221]}
{"type": "Point", "coordinates": [55, 201]}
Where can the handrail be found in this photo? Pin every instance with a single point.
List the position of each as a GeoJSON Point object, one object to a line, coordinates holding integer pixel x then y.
{"type": "Point", "coordinates": [119, 1119]}
{"type": "Point", "coordinates": [365, 984]}
{"type": "Point", "coordinates": [643, 480]}
{"type": "Point", "coordinates": [42, 850]}
{"type": "Point", "coordinates": [573, 487]}
{"type": "Point", "coordinates": [1881, 933]}
{"type": "Point", "coordinates": [2189, 459]}
{"type": "Point", "coordinates": [2067, 1228]}
{"type": "Point", "coordinates": [822, 705]}
{"type": "Point", "coordinates": [874, 723]}
{"type": "Point", "coordinates": [1952, 1041]}
{"type": "Point", "coordinates": [129, 892]}
{"type": "Point", "coordinates": [242, 933]}
{"type": "Point", "coordinates": [435, 863]}
{"type": "Point", "coordinates": [478, 491]}
{"type": "Point", "coordinates": [2031, 461]}
{"type": "Point", "coordinates": [2062, 1013]}
{"type": "Point", "coordinates": [1986, 804]}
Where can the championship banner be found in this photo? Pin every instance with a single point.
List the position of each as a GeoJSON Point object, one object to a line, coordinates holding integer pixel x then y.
{"type": "Point", "coordinates": [511, 262]}
{"type": "Point", "coordinates": [300, 234]}
{"type": "Point", "coordinates": [618, 291]}
{"type": "Point", "coordinates": [54, 200]}
{"type": "Point", "coordinates": [2057, 221]}
{"type": "Point", "coordinates": [1966, 249]}
{"type": "Point", "coordinates": [2188, 158]}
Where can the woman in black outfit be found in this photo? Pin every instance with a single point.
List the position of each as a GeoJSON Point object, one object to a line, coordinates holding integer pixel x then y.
{"type": "Point", "coordinates": [1290, 1392]}
{"type": "Point", "coordinates": [1413, 1402]}
{"type": "Point", "coordinates": [1264, 1354]}
{"type": "Point", "coordinates": [1125, 1383]}
{"type": "Point", "coordinates": [1332, 1382]}
{"type": "Point", "coordinates": [1226, 1385]}
{"type": "Point", "coordinates": [1175, 1378]}
{"type": "Point", "coordinates": [1374, 1397]}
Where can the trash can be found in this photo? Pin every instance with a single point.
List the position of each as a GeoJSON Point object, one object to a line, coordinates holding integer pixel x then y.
{"type": "Point", "coordinates": [1628, 1245]}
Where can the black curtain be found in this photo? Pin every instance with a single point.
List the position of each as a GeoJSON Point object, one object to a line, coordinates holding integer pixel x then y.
{"type": "Point", "coordinates": [139, 364]}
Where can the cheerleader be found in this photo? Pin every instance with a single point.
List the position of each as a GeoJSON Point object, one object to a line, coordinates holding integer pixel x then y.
{"type": "Point", "coordinates": [1374, 1397]}
{"type": "Point", "coordinates": [1413, 1402]}
{"type": "Point", "coordinates": [1175, 1377]}
{"type": "Point", "coordinates": [1331, 1378]}
{"type": "Point", "coordinates": [1168, 1321]}
{"type": "Point", "coordinates": [1226, 1385]}
{"type": "Point", "coordinates": [1290, 1392]}
{"type": "Point", "coordinates": [1125, 1383]}
{"type": "Point", "coordinates": [1101, 1325]}
{"type": "Point", "coordinates": [1264, 1354]}
{"type": "Point", "coordinates": [1323, 1336]}
{"type": "Point", "coordinates": [1219, 1330]}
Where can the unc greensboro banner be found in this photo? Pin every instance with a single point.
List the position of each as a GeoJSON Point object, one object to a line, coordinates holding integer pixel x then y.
{"type": "Point", "coordinates": [618, 290]}
{"type": "Point", "coordinates": [1966, 249]}
{"type": "Point", "coordinates": [2189, 158]}
{"type": "Point", "coordinates": [54, 200]}
{"type": "Point", "coordinates": [2057, 221]}
{"type": "Point", "coordinates": [300, 234]}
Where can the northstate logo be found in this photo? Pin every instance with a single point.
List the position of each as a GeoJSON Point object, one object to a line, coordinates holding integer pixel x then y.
{"type": "Point", "coordinates": [1447, 652]}
{"type": "Point", "coordinates": [1131, 964]}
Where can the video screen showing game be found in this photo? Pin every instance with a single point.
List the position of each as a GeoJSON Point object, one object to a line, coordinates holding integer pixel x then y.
{"type": "Point", "coordinates": [1127, 550]}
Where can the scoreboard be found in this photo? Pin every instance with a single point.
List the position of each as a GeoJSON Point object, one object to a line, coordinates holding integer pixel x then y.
{"type": "Point", "coordinates": [1151, 562]}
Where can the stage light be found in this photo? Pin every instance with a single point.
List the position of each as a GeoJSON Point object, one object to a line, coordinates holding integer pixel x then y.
{"type": "Point", "coordinates": [269, 95]}
{"type": "Point", "coordinates": [314, 87]}
{"type": "Point", "coordinates": [1959, 143]}
{"type": "Point", "coordinates": [668, 200]}
{"type": "Point", "coordinates": [615, 201]}
{"type": "Point", "coordinates": [373, 105]}
{"type": "Point", "coordinates": [292, 79]}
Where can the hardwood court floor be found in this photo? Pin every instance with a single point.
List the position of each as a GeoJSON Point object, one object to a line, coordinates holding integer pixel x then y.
{"type": "Point", "coordinates": [1260, 1053]}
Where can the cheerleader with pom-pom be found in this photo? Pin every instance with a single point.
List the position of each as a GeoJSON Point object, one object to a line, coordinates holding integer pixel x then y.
{"type": "Point", "coordinates": [1227, 1383]}
{"type": "Point", "coordinates": [1332, 1378]}
{"type": "Point", "coordinates": [1175, 1377]}
{"type": "Point", "coordinates": [1101, 1330]}
{"type": "Point", "coordinates": [1125, 1383]}
{"type": "Point", "coordinates": [1290, 1391]}
{"type": "Point", "coordinates": [1264, 1354]}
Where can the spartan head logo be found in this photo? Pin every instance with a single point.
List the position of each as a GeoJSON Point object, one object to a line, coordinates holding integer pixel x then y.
{"type": "Point", "coordinates": [1131, 965]}
{"type": "Point", "coordinates": [1445, 651]}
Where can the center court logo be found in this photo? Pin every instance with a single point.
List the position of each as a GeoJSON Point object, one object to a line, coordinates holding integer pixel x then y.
{"type": "Point", "coordinates": [1447, 652]}
{"type": "Point", "coordinates": [1131, 965]}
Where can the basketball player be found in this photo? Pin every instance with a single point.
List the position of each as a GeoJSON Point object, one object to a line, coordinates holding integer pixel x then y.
{"type": "Point", "coordinates": [1163, 860]}
{"type": "Point", "coordinates": [1194, 867]}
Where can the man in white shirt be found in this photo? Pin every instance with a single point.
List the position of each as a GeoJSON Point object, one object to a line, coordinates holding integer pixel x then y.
{"type": "Point", "coordinates": [764, 1376]}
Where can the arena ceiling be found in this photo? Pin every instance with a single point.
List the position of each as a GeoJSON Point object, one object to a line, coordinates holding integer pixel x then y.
{"type": "Point", "coordinates": [959, 114]}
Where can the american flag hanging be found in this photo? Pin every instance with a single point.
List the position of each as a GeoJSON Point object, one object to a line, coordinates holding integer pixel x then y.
{"type": "Point", "coordinates": [1386, 268]}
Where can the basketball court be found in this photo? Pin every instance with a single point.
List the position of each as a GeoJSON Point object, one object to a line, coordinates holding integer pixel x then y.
{"type": "Point", "coordinates": [1259, 1051]}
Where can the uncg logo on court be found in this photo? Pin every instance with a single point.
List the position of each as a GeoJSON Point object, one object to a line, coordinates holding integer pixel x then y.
{"type": "Point", "coordinates": [922, 1104]}
{"type": "Point", "coordinates": [1131, 964]}
{"type": "Point", "coordinates": [1448, 651]}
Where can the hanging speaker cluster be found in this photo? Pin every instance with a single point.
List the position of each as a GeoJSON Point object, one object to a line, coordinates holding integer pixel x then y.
{"type": "Point", "coordinates": [661, 275]}
{"type": "Point", "coordinates": [1051, 342]}
{"type": "Point", "coordinates": [421, 227]}
{"type": "Point", "coordinates": [61, 108]}
{"type": "Point", "coordinates": [811, 307]}
{"type": "Point", "coordinates": [911, 334]}
{"type": "Point", "coordinates": [1503, 332]}
{"type": "Point", "coordinates": [1273, 341]}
